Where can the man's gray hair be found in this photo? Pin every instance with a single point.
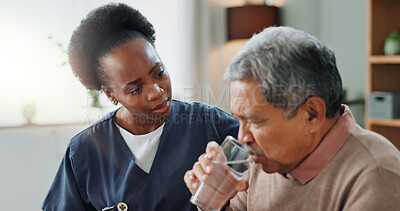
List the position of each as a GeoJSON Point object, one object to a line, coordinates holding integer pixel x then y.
{"type": "Point", "coordinates": [291, 67]}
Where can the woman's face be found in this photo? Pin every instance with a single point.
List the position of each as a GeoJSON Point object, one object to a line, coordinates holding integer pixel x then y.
{"type": "Point", "coordinates": [138, 79]}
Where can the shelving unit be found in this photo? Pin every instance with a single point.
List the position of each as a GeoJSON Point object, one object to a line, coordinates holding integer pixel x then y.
{"type": "Point", "coordinates": [383, 71]}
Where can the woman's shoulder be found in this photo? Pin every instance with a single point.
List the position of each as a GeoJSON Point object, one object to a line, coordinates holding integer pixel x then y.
{"type": "Point", "coordinates": [195, 107]}
{"type": "Point", "coordinates": [95, 131]}
{"type": "Point", "coordinates": [198, 112]}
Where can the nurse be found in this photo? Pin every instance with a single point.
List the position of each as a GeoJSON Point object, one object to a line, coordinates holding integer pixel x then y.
{"type": "Point", "coordinates": [136, 156]}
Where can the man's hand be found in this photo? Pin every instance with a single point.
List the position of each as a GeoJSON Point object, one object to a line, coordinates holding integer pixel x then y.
{"type": "Point", "coordinates": [204, 167]}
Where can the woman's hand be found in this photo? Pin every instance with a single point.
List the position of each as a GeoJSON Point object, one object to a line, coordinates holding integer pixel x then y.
{"type": "Point", "coordinates": [204, 167]}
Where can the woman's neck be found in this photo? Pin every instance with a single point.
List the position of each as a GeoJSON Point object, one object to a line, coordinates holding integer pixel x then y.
{"type": "Point", "coordinates": [135, 126]}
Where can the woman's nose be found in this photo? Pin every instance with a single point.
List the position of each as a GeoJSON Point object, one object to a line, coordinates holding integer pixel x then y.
{"type": "Point", "coordinates": [155, 92]}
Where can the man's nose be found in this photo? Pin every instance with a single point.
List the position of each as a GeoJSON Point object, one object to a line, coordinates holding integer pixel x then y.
{"type": "Point", "coordinates": [245, 136]}
{"type": "Point", "coordinates": [155, 92]}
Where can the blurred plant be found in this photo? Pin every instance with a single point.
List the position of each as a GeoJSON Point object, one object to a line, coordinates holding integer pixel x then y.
{"type": "Point", "coordinates": [95, 99]}
{"type": "Point", "coordinates": [392, 43]}
{"type": "Point", "coordinates": [60, 46]}
{"type": "Point", "coordinates": [94, 94]}
{"type": "Point", "coordinates": [394, 36]}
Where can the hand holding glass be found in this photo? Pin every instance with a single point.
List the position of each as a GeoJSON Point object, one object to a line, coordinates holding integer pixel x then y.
{"type": "Point", "coordinates": [231, 165]}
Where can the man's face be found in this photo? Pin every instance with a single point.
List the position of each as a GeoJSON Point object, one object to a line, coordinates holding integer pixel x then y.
{"type": "Point", "coordinates": [282, 143]}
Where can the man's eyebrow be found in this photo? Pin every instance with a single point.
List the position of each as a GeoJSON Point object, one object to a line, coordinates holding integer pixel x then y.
{"type": "Point", "coordinates": [239, 116]}
{"type": "Point", "coordinates": [247, 116]}
{"type": "Point", "coordinates": [153, 68]}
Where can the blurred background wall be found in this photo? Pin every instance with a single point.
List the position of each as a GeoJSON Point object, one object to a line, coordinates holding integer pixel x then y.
{"type": "Point", "coordinates": [191, 40]}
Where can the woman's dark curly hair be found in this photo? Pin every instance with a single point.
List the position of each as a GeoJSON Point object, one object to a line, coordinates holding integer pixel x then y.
{"type": "Point", "coordinates": [104, 29]}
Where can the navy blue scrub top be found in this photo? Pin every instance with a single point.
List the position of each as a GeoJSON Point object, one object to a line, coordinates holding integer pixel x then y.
{"type": "Point", "coordinates": [98, 169]}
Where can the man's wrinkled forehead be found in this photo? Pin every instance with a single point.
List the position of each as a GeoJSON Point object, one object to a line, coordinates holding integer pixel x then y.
{"type": "Point", "coordinates": [238, 91]}
{"type": "Point", "coordinates": [246, 92]}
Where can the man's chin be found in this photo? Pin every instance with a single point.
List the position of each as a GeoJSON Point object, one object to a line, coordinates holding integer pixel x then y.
{"type": "Point", "coordinates": [269, 170]}
{"type": "Point", "coordinates": [267, 166]}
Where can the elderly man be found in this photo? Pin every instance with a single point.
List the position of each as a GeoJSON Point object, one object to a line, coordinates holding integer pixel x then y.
{"type": "Point", "coordinates": [286, 92]}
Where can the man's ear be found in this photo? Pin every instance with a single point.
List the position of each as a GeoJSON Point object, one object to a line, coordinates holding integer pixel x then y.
{"type": "Point", "coordinates": [316, 111]}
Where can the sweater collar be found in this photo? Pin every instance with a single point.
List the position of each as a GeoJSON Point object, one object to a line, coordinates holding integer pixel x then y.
{"type": "Point", "coordinates": [327, 149]}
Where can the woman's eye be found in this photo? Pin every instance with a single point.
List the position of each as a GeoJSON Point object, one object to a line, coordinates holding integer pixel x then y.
{"type": "Point", "coordinates": [161, 73]}
{"type": "Point", "coordinates": [135, 91]}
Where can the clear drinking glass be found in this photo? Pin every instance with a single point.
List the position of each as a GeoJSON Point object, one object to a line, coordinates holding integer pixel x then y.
{"type": "Point", "coordinates": [231, 165]}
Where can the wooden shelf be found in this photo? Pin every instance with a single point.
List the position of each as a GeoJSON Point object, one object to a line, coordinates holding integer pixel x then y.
{"type": "Point", "coordinates": [383, 59]}
{"type": "Point", "coordinates": [384, 122]}
{"type": "Point", "coordinates": [383, 70]}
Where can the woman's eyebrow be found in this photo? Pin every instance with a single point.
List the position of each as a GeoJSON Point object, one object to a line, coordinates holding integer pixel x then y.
{"type": "Point", "coordinates": [153, 68]}
{"type": "Point", "coordinates": [132, 82]}
{"type": "Point", "coordinates": [139, 79]}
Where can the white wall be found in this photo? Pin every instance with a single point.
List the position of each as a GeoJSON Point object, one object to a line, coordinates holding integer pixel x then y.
{"type": "Point", "coordinates": [301, 14]}
{"type": "Point", "coordinates": [341, 25]}
{"type": "Point", "coordinates": [29, 159]}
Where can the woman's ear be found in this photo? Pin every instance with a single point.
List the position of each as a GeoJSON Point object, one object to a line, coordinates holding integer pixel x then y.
{"type": "Point", "coordinates": [316, 111]}
{"type": "Point", "coordinates": [109, 95]}
{"type": "Point", "coordinates": [106, 91]}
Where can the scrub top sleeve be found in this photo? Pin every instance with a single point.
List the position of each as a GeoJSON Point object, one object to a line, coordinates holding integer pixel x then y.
{"type": "Point", "coordinates": [64, 194]}
{"type": "Point", "coordinates": [225, 123]}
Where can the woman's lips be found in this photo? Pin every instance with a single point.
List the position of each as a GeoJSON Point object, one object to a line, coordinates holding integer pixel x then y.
{"type": "Point", "coordinates": [162, 108]}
